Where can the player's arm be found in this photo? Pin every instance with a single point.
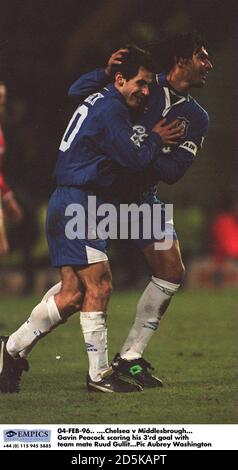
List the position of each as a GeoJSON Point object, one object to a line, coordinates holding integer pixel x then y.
{"type": "Point", "coordinates": [172, 167]}
{"type": "Point", "coordinates": [93, 81]}
{"type": "Point", "coordinates": [88, 83]}
{"type": "Point", "coordinates": [121, 145]}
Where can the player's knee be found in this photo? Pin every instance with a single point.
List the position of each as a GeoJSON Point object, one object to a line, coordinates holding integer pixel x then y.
{"type": "Point", "coordinates": [107, 287]}
{"type": "Point", "coordinates": [174, 273]}
{"type": "Point", "coordinates": [77, 300]}
{"type": "Point", "coordinates": [69, 302]}
{"type": "Point", "coordinates": [100, 291]}
{"type": "Point", "coordinates": [178, 273]}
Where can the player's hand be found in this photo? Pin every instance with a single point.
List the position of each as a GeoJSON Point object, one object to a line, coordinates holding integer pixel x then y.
{"type": "Point", "coordinates": [169, 133]}
{"type": "Point", "coordinates": [115, 59]}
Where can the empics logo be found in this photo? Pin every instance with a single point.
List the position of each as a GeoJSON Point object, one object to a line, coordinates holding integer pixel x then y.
{"type": "Point", "coordinates": [27, 435]}
{"type": "Point", "coordinates": [11, 433]}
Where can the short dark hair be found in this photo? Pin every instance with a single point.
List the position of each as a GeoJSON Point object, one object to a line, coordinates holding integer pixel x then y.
{"type": "Point", "coordinates": [132, 61]}
{"type": "Point", "coordinates": [171, 49]}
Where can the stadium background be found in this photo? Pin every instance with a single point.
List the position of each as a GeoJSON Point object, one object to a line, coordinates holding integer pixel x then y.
{"type": "Point", "coordinates": [44, 46]}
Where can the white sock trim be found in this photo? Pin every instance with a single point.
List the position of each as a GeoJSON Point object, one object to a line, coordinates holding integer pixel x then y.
{"type": "Point", "coordinates": [53, 311]}
{"type": "Point", "coordinates": [130, 355]}
{"type": "Point", "coordinates": [92, 315]}
{"type": "Point", "coordinates": [165, 284]}
{"type": "Point", "coordinates": [53, 291]}
{"type": "Point", "coordinates": [92, 321]}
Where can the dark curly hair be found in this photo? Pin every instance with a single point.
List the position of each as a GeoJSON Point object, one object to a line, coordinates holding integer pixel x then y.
{"type": "Point", "coordinates": [132, 61]}
{"type": "Point", "coordinates": [169, 50]}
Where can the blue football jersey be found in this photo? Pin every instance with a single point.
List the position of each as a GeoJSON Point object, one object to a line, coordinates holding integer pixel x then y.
{"type": "Point", "coordinates": [163, 102]}
{"type": "Point", "coordinates": [99, 143]}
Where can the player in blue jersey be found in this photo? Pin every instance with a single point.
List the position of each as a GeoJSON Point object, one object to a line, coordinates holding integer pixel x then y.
{"type": "Point", "coordinates": [98, 144]}
{"type": "Point", "coordinates": [185, 64]}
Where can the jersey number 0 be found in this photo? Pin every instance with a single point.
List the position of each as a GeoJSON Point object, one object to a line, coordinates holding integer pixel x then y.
{"type": "Point", "coordinates": [73, 127]}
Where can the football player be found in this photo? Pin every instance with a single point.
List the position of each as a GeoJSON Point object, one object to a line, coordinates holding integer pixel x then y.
{"type": "Point", "coordinates": [185, 64]}
{"type": "Point", "coordinates": [97, 145]}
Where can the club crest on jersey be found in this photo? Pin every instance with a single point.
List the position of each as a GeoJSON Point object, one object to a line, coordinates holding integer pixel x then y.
{"type": "Point", "coordinates": [139, 135]}
{"type": "Point", "coordinates": [185, 124]}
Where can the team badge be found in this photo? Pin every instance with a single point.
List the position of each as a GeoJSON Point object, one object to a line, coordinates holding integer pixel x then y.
{"type": "Point", "coordinates": [139, 135]}
{"type": "Point", "coordinates": [185, 124]}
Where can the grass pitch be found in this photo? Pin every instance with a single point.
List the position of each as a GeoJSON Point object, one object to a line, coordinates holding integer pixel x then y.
{"type": "Point", "coordinates": [195, 353]}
